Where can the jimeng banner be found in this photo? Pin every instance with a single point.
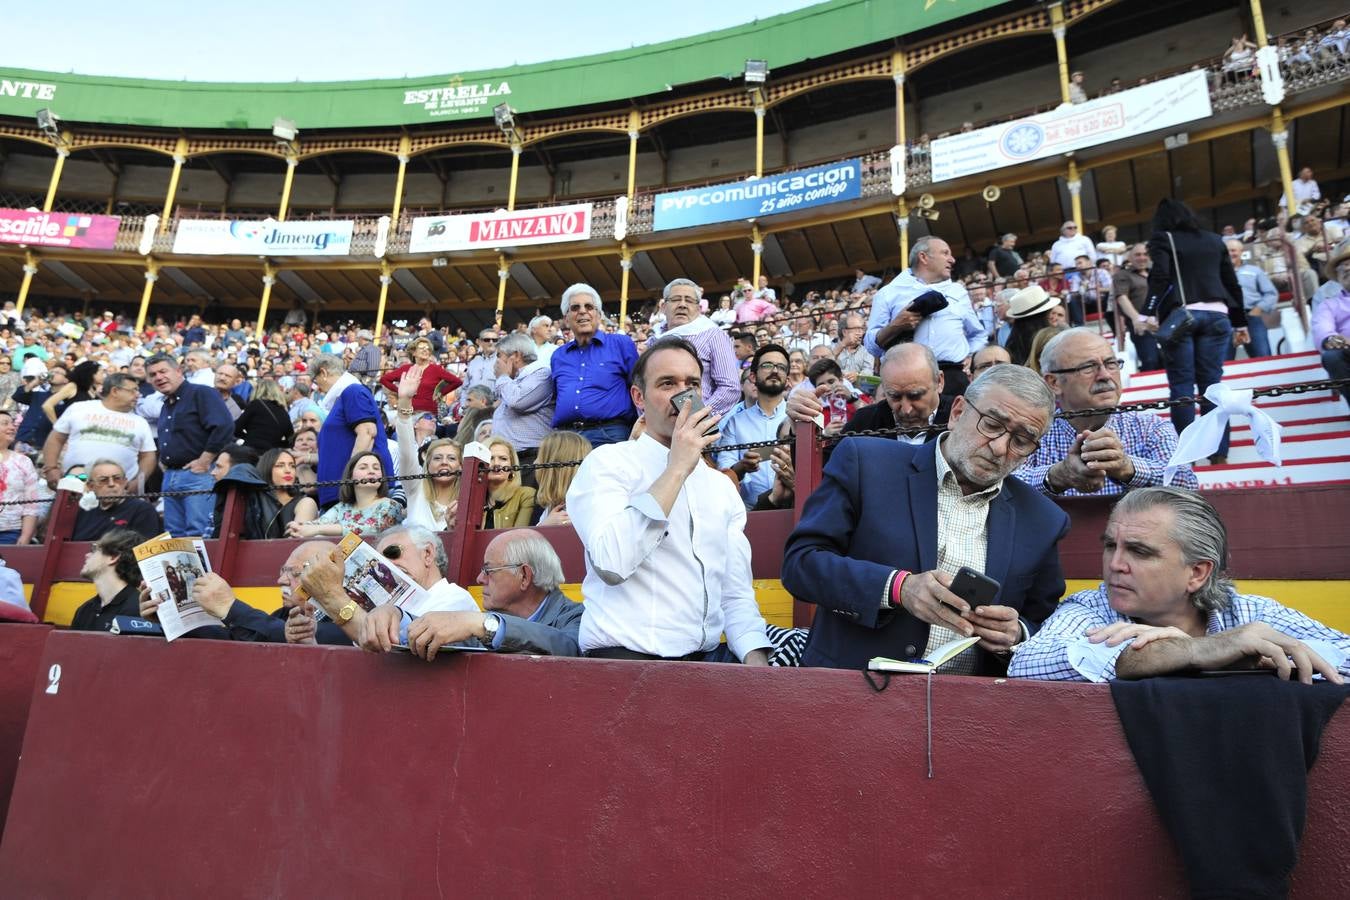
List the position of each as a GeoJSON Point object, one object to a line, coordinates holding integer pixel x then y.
{"type": "Point", "coordinates": [217, 237]}
{"type": "Point", "coordinates": [488, 231]}
{"type": "Point", "coordinates": [1151, 107]}
{"type": "Point", "coordinates": [758, 197]}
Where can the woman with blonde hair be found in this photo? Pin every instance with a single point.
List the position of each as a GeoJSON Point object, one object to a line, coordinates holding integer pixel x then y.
{"type": "Point", "coordinates": [428, 376]}
{"type": "Point", "coordinates": [510, 504]}
{"type": "Point", "coordinates": [434, 502]}
{"type": "Point", "coordinates": [558, 447]}
{"type": "Point", "coordinates": [1038, 344]}
{"type": "Point", "coordinates": [265, 422]}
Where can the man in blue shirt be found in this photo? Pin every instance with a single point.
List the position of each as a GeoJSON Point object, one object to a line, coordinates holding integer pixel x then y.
{"type": "Point", "coordinates": [1259, 296]}
{"type": "Point", "coordinates": [953, 333]}
{"type": "Point", "coordinates": [353, 425]}
{"type": "Point", "coordinates": [194, 426]}
{"type": "Point", "coordinates": [590, 373]}
{"type": "Point", "coordinates": [757, 422]}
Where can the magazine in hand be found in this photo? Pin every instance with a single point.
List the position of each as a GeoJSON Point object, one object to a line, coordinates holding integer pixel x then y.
{"type": "Point", "coordinates": [923, 666]}
{"type": "Point", "coordinates": [170, 567]}
{"type": "Point", "coordinates": [370, 580]}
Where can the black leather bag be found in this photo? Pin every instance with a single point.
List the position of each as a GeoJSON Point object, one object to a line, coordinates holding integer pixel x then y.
{"type": "Point", "coordinates": [1179, 322]}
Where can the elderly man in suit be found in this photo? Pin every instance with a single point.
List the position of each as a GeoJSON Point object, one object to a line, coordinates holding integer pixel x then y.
{"type": "Point", "coordinates": [891, 523]}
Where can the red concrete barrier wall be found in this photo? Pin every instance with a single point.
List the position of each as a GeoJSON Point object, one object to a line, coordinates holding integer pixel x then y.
{"type": "Point", "coordinates": [20, 653]}
{"type": "Point", "coordinates": [208, 769]}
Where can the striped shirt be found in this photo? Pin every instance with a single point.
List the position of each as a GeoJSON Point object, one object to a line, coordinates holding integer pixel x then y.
{"type": "Point", "coordinates": [963, 540]}
{"type": "Point", "coordinates": [1060, 651]}
{"type": "Point", "coordinates": [1148, 440]}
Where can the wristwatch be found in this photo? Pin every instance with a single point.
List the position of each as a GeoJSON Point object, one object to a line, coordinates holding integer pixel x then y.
{"type": "Point", "coordinates": [491, 623]}
{"type": "Point", "coordinates": [344, 615]}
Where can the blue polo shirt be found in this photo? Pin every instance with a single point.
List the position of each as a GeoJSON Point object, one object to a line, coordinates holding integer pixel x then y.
{"type": "Point", "coordinates": [193, 421]}
{"type": "Point", "coordinates": [337, 437]}
{"type": "Point", "coordinates": [591, 383]}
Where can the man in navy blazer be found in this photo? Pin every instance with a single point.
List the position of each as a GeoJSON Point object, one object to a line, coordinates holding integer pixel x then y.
{"type": "Point", "coordinates": [871, 553]}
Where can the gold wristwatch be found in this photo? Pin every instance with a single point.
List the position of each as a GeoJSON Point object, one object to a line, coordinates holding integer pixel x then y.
{"type": "Point", "coordinates": [344, 615]}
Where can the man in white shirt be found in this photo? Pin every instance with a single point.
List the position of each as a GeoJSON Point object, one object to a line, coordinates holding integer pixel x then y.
{"type": "Point", "coordinates": [1071, 245]}
{"type": "Point", "coordinates": [1306, 191]}
{"type": "Point", "coordinates": [667, 560]}
{"type": "Point", "coordinates": [103, 429]}
{"type": "Point", "coordinates": [541, 332]}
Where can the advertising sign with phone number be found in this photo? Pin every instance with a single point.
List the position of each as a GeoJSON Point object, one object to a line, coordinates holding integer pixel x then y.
{"type": "Point", "coordinates": [756, 198]}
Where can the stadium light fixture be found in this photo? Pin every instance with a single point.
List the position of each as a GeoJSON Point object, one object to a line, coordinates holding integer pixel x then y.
{"type": "Point", "coordinates": [49, 124]}
{"type": "Point", "coordinates": [284, 129]}
{"type": "Point", "coordinates": [756, 72]}
{"type": "Point", "coordinates": [505, 117]}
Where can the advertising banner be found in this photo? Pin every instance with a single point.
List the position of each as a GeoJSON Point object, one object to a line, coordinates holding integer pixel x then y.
{"type": "Point", "coordinates": [488, 231]}
{"type": "Point", "coordinates": [1150, 107]}
{"type": "Point", "coordinates": [759, 197]}
{"type": "Point", "coordinates": [266, 237]}
{"type": "Point", "coordinates": [49, 229]}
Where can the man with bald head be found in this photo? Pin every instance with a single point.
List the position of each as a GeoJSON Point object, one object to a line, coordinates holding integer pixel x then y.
{"type": "Point", "coordinates": [227, 376]}
{"type": "Point", "coordinates": [987, 357]}
{"type": "Point", "coordinates": [246, 623]}
{"type": "Point", "coordinates": [909, 396]}
{"type": "Point", "coordinates": [1105, 453]}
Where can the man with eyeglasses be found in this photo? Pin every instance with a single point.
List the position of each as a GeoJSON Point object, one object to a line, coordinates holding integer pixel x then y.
{"type": "Point", "coordinates": [1071, 245]}
{"type": "Point", "coordinates": [107, 481]}
{"type": "Point", "coordinates": [890, 525]}
{"type": "Point", "coordinates": [483, 366]}
{"type": "Point", "coordinates": [758, 421]}
{"type": "Point", "coordinates": [1105, 453]}
{"type": "Point", "coordinates": [849, 352]}
{"type": "Point", "coordinates": [721, 371]}
{"type": "Point", "coordinates": [103, 429]}
{"type": "Point", "coordinates": [987, 358]}
{"type": "Point", "coordinates": [590, 373]}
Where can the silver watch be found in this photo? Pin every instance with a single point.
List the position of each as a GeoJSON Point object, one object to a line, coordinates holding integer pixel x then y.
{"type": "Point", "coordinates": [491, 622]}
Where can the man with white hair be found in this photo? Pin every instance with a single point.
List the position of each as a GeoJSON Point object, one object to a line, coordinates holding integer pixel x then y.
{"type": "Point", "coordinates": [590, 373]}
{"type": "Point", "coordinates": [1071, 245]}
{"type": "Point", "coordinates": [1105, 453]}
{"type": "Point", "coordinates": [524, 411]}
{"type": "Point", "coordinates": [721, 371]}
{"type": "Point", "coordinates": [541, 332]}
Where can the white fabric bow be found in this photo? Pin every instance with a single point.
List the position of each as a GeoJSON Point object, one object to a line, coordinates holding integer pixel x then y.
{"type": "Point", "coordinates": [1202, 438]}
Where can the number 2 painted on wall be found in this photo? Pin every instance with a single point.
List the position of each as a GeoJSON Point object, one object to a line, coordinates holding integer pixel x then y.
{"type": "Point", "coordinates": [54, 678]}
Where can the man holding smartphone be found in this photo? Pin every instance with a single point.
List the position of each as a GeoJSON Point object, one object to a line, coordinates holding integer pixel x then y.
{"type": "Point", "coordinates": [891, 525]}
{"type": "Point", "coordinates": [667, 560]}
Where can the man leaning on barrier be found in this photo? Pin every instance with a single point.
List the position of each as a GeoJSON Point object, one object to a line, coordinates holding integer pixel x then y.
{"type": "Point", "coordinates": [667, 559]}
{"type": "Point", "coordinates": [890, 525]}
{"type": "Point", "coordinates": [1105, 453]}
{"type": "Point", "coordinates": [1165, 607]}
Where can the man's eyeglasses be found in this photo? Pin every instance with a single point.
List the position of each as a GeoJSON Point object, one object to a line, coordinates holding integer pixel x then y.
{"type": "Point", "coordinates": [1090, 368]}
{"type": "Point", "coordinates": [487, 570]}
{"type": "Point", "coordinates": [488, 340]}
{"type": "Point", "coordinates": [1020, 442]}
{"type": "Point", "coordinates": [107, 479]}
{"type": "Point", "coordinates": [772, 367]}
{"type": "Point", "coordinates": [975, 370]}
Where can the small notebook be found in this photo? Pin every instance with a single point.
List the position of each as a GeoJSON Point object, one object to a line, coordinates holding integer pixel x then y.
{"type": "Point", "coordinates": [923, 666]}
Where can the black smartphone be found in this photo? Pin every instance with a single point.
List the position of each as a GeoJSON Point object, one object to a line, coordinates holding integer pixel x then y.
{"type": "Point", "coordinates": [693, 398]}
{"type": "Point", "coordinates": [975, 588]}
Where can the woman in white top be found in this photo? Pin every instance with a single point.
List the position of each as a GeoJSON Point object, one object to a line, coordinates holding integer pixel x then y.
{"type": "Point", "coordinates": [432, 502]}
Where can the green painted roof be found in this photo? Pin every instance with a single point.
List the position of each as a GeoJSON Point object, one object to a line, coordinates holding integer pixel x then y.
{"type": "Point", "coordinates": [783, 40]}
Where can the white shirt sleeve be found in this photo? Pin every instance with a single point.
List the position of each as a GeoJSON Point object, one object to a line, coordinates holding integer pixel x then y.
{"type": "Point", "coordinates": [619, 523]}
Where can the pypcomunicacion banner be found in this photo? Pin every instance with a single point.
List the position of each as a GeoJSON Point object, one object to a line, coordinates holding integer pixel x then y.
{"type": "Point", "coordinates": [759, 197]}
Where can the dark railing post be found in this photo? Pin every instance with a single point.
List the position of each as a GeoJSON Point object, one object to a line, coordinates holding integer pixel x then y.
{"type": "Point", "coordinates": [60, 526]}
{"type": "Point", "coordinates": [807, 465]}
{"type": "Point", "coordinates": [468, 519]}
{"type": "Point", "coordinates": [231, 528]}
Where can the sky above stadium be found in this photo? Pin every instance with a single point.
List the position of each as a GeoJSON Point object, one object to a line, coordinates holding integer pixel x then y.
{"type": "Point", "coordinates": [343, 39]}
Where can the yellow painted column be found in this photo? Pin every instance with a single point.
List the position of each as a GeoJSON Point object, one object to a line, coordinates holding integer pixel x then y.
{"type": "Point", "coordinates": [511, 194]}
{"type": "Point", "coordinates": [898, 75]}
{"type": "Point", "coordinates": [902, 215]}
{"type": "Point", "coordinates": [1059, 31]}
{"type": "Point", "coordinates": [179, 157]}
{"type": "Point", "coordinates": [61, 154]}
{"type": "Point", "coordinates": [1075, 185]}
{"type": "Point", "coordinates": [386, 279]}
{"type": "Point", "coordinates": [633, 120]}
{"type": "Point", "coordinates": [503, 272]}
{"type": "Point", "coordinates": [151, 276]}
{"type": "Point", "coordinates": [30, 268]}
{"type": "Point", "coordinates": [269, 279]}
{"type": "Point", "coordinates": [404, 154]}
{"type": "Point", "coordinates": [1279, 136]}
{"type": "Point", "coordinates": [626, 264]}
{"type": "Point", "coordinates": [759, 134]}
{"type": "Point", "coordinates": [1259, 23]}
{"type": "Point", "coordinates": [757, 247]}
{"type": "Point", "coordinates": [291, 163]}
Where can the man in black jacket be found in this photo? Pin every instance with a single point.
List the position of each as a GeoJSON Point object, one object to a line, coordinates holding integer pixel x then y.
{"type": "Point", "coordinates": [111, 565]}
{"type": "Point", "coordinates": [108, 481]}
{"type": "Point", "coordinates": [910, 396]}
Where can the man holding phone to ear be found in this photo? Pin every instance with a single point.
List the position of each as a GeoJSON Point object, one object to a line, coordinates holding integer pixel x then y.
{"type": "Point", "coordinates": [667, 560]}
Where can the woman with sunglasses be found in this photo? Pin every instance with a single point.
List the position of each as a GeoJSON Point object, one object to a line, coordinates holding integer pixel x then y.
{"type": "Point", "coordinates": [364, 505]}
{"type": "Point", "coordinates": [434, 502]}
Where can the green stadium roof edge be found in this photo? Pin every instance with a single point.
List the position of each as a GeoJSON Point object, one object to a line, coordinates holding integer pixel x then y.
{"type": "Point", "coordinates": [782, 40]}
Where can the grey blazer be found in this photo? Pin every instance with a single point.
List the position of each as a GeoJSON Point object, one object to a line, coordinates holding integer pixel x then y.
{"type": "Point", "coordinates": [552, 633]}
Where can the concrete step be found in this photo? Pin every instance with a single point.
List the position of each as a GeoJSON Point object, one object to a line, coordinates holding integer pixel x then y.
{"type": "Point", "coordinates": [1320, 470]}
{"type": "Point", "coordinates": [1293, 446]}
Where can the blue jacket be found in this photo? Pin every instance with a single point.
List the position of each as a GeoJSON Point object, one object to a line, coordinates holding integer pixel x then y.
{"type": "Point", "coordinates": [876, 511]}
